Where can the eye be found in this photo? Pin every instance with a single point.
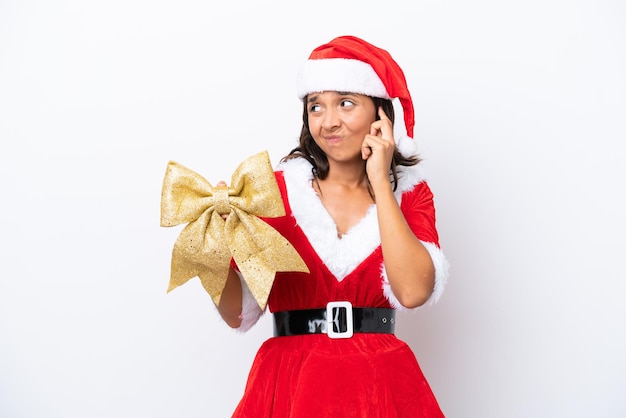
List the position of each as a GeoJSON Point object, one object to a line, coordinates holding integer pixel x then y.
{"type": "Point", "coordinates": [314, 108]}
{"type": "Point", "coordinates": [347, 103]}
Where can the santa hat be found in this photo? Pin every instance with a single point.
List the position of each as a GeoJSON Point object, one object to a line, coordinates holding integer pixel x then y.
{"type": "Point", "coordinates": [350, 64]}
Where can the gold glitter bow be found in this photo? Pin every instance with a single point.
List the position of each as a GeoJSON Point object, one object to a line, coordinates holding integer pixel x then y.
{"type": "Point", "coordinates": [205, 246]}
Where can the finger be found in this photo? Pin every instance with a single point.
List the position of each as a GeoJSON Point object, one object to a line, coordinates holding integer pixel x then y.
{"type": "Point", "coordinates": [382, 115]}
{"type": "Point", "coordinates": [382, 129]}
{"type": "Point", "coordinates": [366, 153]}
{"type": "Point", "coordinates": [366, 149]}
{"type": "Point", "coordinates": [375, 128]}
{"type": "Point", "coordinates": [385, 127]}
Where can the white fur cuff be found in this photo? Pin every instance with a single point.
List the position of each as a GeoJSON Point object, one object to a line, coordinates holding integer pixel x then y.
{"type": "Point", "coordinates": [441, 277]}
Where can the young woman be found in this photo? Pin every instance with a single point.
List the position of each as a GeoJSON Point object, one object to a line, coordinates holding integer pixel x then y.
{"type": "Point", "coordinates": [362, 217]}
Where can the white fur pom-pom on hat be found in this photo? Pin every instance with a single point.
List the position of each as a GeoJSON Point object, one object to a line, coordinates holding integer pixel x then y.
{"type": "Point", "coordinates": [350, 64]}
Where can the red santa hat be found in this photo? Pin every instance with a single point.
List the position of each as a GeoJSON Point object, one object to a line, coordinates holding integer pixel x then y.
{"type": "Point", "coordinates": [350, 64]}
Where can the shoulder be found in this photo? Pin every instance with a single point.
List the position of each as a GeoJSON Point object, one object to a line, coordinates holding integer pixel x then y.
{"type": "Point", "coordinates": [411, 181]}
{"type": "Point", "coordinates": [296, 168]}
{"type": "Point", "coordinates": [296, 173]}
{"type": "Point", "coordinates": [294, 178]}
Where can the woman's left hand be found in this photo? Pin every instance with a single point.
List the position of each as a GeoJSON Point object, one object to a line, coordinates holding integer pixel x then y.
{"type": "Point", "coordinates": [378, 148]}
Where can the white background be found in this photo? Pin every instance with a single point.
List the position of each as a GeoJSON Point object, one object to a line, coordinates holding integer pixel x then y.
{"type": "Point", "coordinates": [520, 110]}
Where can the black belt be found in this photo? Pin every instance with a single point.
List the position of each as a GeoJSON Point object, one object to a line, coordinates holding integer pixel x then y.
{"type": "Point", "coordinates": [338, 320]}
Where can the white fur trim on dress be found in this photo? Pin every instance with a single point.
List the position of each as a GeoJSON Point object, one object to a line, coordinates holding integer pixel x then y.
{"type": "Point", "coordinates": [340, 255]}
{"type": "Point", "coordinates": [408, 178]}
{"type": "Point", "coordinates": [441, 277]}
{"type": "Point", "coordinates": [339, 74]}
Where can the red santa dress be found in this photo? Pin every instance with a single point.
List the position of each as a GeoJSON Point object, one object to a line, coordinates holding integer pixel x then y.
{"type": "Point", "coordinates": [368, 375]}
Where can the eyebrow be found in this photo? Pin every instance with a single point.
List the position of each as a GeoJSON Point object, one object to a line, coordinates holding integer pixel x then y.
{"type": "Point", "coordinates": [313, 98]}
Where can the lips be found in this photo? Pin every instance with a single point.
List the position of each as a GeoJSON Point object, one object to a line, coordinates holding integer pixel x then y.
{"type": "Point", "coordinates": [332, 140]}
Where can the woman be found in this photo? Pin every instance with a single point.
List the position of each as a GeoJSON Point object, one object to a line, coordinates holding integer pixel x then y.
{"type": "Point", "coordinates": [362, 218]}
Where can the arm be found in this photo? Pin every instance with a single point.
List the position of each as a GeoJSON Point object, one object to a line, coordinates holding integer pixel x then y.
{"type": "Point", "coordinates": [230, 306]}
{"type": "Point", "coordinates": [408, 264]}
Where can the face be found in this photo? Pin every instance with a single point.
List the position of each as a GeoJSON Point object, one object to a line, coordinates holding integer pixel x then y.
{"type": "Point", "coordinates": [339, 122]}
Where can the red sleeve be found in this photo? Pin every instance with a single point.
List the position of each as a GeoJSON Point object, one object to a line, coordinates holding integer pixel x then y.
{"type": "Point", "coordinates": [419, 210]}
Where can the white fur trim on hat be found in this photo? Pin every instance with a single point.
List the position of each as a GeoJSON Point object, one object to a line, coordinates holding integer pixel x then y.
{"type": "Point", "coordinates": [407, 146]}
{"type": "Point", "coordinates": [339, 74]}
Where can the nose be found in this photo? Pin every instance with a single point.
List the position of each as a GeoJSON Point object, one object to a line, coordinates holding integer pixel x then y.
{"type": "Point", "coordinates": [331, 119]}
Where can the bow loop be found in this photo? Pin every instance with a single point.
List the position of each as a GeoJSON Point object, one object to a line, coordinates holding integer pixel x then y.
{"type": "Point", "coordinates": [185, 195]}
{"type": "Point", "coordinates": [254, 189]}
{"type": "Point", "coordinates": [205, 246]}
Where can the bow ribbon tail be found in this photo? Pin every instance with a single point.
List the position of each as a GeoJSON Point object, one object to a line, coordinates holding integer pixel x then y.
{"type": "Point", "coordinates": [260, 251]}
{"type": "Point", "coordinates": [199, 251]}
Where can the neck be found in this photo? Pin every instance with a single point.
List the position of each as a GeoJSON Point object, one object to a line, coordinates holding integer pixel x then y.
{"type": "Point", "coordinates": [349, 175]}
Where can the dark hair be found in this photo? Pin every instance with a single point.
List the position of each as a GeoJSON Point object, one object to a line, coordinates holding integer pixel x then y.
{"type": "Point", "coordinates": [309, 150]}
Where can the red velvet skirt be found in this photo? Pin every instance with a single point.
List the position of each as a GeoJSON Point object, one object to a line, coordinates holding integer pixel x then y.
{"type": "Point", "coordinates": [368, 375]}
